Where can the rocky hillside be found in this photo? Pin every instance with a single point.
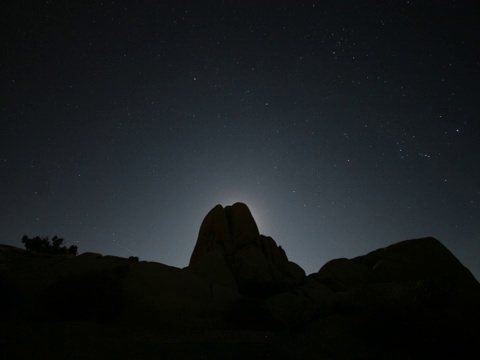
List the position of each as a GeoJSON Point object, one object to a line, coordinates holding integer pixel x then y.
{"type": "Point", "coordinates": [240, 296]}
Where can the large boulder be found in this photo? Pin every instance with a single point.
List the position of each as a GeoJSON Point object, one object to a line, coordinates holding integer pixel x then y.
{"type": "Point", "coordinates": [420, 265]}
{"type": "Point", "coordinates": [340, 274]}
{"type": "Point", "coordinates": [214, 232]}
{"type": "Point", "coordinates": [243, 227]}
{"type": "Point", "coordinates": [229, 239]}
{"type": "Point", "coordinates": [407, 281]}
{"type": "Point", "coordinates": [413, 299]}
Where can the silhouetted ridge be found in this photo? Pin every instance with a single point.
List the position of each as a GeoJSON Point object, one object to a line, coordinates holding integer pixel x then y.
{"type": "Point", "coordinates": [410, 300]}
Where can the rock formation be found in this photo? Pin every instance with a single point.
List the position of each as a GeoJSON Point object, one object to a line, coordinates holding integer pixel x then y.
{"type": "Point", "coordinates": [410, 290]}
{"type": "Point", "coordinates": [230, 242]}
{"type": "Point", "coordinates": [410, 300]}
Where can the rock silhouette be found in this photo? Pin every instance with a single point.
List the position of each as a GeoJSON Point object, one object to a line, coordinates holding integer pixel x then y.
{"type": "Point", "coordinates": [229, 236]}
{"type": "Point", "coordinates": [239, 296]}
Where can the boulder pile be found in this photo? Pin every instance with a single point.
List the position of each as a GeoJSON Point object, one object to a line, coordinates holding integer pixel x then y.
{"type": "Point", "coordinates": [413, 299]}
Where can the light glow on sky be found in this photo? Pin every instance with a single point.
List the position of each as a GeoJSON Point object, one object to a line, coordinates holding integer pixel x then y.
{"type": "Point", "coordinates": [344, 129]}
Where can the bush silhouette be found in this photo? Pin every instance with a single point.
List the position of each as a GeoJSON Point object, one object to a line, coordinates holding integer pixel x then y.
{"type": "Point", "coordinates": [72, 250]}
{"type": "Point", "coordinates": [43, 245]}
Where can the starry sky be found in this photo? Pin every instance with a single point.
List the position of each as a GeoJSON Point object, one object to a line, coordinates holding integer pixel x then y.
{"type": "Point", "coordinates": [345, 126]}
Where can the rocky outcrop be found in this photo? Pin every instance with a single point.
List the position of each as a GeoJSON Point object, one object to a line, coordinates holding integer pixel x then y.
{"type": "Point", "coordinates": [420, 265]}
{"type": "Point", "coordinates": [410, 300]}
{"type": "Point", "coordinates": [214, 233]}
{"type": "Point", "coordinates": [413, 299]}
{"type": "Point", "coordinates": [229, 229]}
{"type": "Point", "coordinates": [229, 236]}
{"type": "Point", "coordinates": [411, 277]}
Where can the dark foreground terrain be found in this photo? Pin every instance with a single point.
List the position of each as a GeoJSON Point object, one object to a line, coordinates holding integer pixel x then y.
{"type": "Point", "coordinates": [240, 297]}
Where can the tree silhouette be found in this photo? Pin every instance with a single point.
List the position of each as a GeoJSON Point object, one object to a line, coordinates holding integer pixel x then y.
{"type": "Point", "coordinates": [57, 243]}
{"type": "Point", "coordinates": [43, 245]}
{"type": "Point", "coordinates": [72, 250]}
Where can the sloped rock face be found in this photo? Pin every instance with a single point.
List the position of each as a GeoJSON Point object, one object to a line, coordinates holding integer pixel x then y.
{"type": "Point", "coordinates": [422, 264]}
{"type": "Point", "coordinates": [418, 275]}
{"type": "Point", "coordinates": [92, 287]}
{"type": "Point", "coordinates": [413, 299]}
{"type": "Point", "coordinates": [255, 261]}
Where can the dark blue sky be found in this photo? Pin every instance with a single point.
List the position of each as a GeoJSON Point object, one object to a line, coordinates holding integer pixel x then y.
{"type": "Point", "coordinates": [345, 126]}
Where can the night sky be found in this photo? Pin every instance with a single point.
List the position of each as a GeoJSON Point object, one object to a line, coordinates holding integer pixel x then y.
{"type": "Point", "coordinates": [345, 126]}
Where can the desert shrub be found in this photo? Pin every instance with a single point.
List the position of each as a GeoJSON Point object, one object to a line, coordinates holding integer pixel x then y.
{"type": "Point", "coordinates": [43, 245]}
{"type": "Point", "coordinates": [72, 250]}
